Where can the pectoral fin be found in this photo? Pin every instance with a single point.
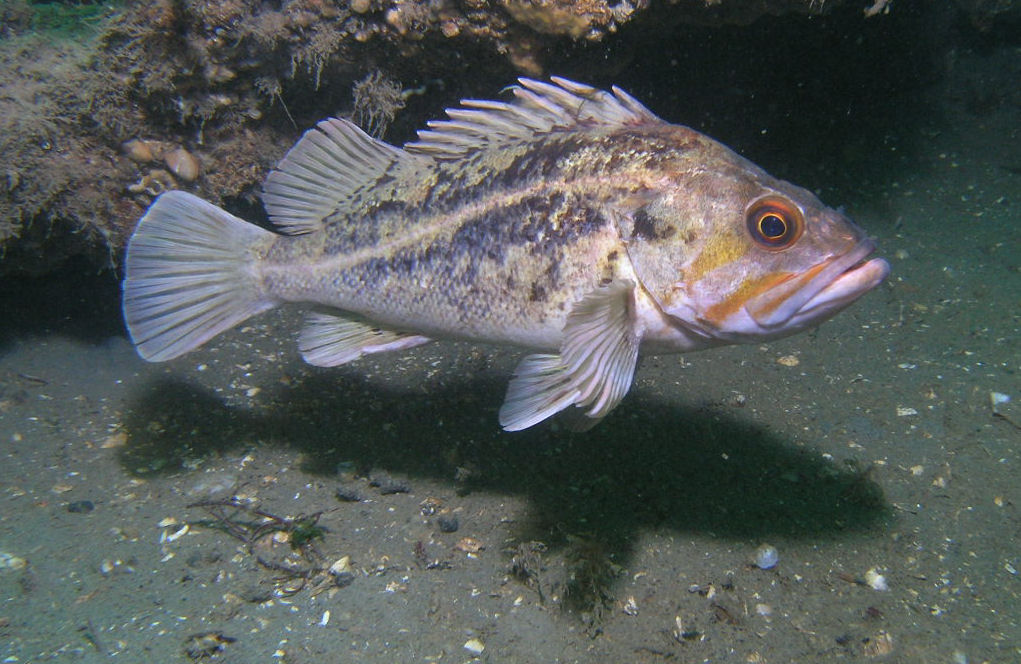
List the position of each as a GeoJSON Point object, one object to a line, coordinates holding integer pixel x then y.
{"type": "Point", "coordinates": [328, 340]}
{"type": "Point", "coordinates": [593, 370]}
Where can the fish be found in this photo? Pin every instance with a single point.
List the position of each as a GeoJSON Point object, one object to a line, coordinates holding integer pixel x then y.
{"type": "Point", "coordinates": [564, 219]}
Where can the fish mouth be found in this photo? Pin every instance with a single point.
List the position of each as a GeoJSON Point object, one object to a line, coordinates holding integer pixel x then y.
{"type": "Point", "coordinates": [821, 291]}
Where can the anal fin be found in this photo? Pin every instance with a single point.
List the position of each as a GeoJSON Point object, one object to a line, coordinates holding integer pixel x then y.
{"type": "Point", "coordinates": [329, 340]}
{"type": "Point", "coordinates": [593, 370]}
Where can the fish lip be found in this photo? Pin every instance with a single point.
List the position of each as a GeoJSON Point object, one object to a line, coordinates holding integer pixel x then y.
{"type": "Point", "coordinates": [852, 283]}
{"type": "Point", "coordinates": [838, 282]}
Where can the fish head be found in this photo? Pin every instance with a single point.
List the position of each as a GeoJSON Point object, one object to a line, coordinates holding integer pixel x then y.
{"type": "Point", "coordinates": [732, 255]}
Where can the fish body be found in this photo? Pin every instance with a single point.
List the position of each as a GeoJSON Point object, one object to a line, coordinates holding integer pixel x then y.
{"type": "Point", "coordinates": [568, 220]}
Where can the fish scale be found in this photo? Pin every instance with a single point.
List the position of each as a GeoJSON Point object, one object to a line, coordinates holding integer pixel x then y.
{"type": "Point", "coordinates": [568, 220]}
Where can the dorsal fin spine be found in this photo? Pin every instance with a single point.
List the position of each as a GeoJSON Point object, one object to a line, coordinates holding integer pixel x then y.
{"type": "Point", "coordinates": [538, 107]}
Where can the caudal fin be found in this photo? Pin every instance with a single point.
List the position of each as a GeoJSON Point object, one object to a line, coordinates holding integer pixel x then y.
{"type": "Point", "coordinates": [189, 275]}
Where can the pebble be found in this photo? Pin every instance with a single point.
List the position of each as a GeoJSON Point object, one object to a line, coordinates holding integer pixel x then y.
{"type": "Point", "coordinates": [469, 545]}
{"type": "Point", "coordinates": [388, 485]}
{"type": "Point", "coordinates": [80, 507]}
{"type": "Point", "coordinates": [346, 494]}
{"type": "Point", "coordinates": [343, 579]}
{"type": "Point", "coordinates": [182, 164]}
{"type": "Point", "coordinates": [766, 556]}
{"type": "Point", "coordinates": [342, 572]}
{"type": "Point", "coordinates": [138, 151]}
{"type": "Point", "coordinates": [392, 487]}
{"type": "Point", "coordinates": [11, 561]}
{"type": "Point", "coordinates": [447, 524]}
{"type": "Point", "coordinates": [788, 360]}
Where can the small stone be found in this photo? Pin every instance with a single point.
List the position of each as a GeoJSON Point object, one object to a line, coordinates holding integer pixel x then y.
{"type": "Point", "coordinates": [342, 572]}
{"type": "Point", "coordinates": [388, 485]}
{"type": "Point", "coordinates": [469, 545]}
{"type": "Point", "coordinates": [766, 556]}
{"type": "Point", "coordinates": [474, 646]}
{"type": "Point", "coordinates": [788, 360]}
{"type": "Point", "coordinates": [138, 151]}
{"type": "Point", "coordinates": [447, 524]}
{"type": "Point", "coordinates": [207, 645]}
{"type": "Point", "coordinates": [430, 506]}
{"type": "Point", "coordinates": [346, 494]}
{"type": "Point", "coordinates": [450, 29]}
{"type": "Point", "coordinates": [119, 439]}
{"type": "Point", "coordinates": [342, 564]}
{"type": "Point", "coordinates": [182, 164]}
{"type": "Point", "coordinates": [80, 507]}
{"type": "Point", "coordinates": [343, 579]}
{"type": "Point", "coordinates": [392, 487]}
{"type": "Point", "coordinates": [9, 561]}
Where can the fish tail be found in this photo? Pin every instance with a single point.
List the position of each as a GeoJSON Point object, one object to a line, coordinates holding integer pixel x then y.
{"type": "Point", "coordinates": [189, 274]}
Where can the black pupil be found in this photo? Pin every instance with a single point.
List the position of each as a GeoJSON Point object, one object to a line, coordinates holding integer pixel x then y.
{"type": "Point", "coordinates": [772, 226]}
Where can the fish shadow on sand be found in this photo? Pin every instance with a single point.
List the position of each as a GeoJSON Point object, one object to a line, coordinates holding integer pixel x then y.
{"type": "Point", "coordinates": [651, 464]}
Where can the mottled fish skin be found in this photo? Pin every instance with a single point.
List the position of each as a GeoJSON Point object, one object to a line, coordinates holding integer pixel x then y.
{"type": "Point", "coordinates": [496, 246]}
{"type": "Point", "coordinates": [568, 220]}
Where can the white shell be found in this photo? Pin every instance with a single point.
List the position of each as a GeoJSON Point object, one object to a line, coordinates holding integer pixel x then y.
{"type": "Point", "coordinates": [876, 580]}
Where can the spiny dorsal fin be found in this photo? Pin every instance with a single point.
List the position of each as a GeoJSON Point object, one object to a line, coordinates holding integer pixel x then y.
{"type": "Point", "coordinates": [538, 107]}
{"type": "Point", "coordinates": [323, 171]}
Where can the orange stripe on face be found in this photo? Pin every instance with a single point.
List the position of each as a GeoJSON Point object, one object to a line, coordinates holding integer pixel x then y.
{"type": "Point", "coordinates": [720, 311]}
{"type": "Point", "coordinates": [772, 304]}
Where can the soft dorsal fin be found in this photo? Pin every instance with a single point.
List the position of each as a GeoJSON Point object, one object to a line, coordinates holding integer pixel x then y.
{"type": "Point", "coordinates": [537, 107]}
{"type": "Point", "coordinates": [321, 173]}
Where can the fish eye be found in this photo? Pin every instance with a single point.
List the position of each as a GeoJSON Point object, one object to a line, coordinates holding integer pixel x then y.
{"type": "Point", "coordinates": [774, 222]}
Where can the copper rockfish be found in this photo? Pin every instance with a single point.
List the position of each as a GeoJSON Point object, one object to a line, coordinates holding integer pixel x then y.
{"type": "Point", "coordinates": [567, 220]}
